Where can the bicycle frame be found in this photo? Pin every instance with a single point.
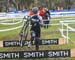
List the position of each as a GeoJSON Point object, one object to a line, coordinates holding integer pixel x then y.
{"type": "Point", "coordinates": [24, 33]}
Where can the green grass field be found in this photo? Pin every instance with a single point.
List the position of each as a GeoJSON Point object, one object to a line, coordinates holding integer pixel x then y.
{"type": "Point", "coordinates": [51, 32]}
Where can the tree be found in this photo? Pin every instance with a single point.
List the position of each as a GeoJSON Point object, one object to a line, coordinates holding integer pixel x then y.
{"type": "Point", "coordinates": [68, 3]}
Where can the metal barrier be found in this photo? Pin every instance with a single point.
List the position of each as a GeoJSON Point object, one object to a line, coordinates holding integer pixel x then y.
{"type": "Point", "coordinates": [66, 23]}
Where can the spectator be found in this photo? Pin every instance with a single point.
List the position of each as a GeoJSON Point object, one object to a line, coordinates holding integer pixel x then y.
{"type": "Point", "coordinates": [46, 17]}
{"type": "Point", "coordinates": [30, 12]}
{"type": "Point", "coordinates": [41, 12]}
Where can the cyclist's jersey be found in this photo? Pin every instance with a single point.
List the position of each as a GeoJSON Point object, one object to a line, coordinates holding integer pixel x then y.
{"type": "Point", "coordinates": [35, 22]}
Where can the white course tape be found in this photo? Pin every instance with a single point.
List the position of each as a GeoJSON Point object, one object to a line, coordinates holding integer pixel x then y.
{"type": "Point", "coordinates": [11, 23]}
{"type": "Point", "coordinates": [11, 29]}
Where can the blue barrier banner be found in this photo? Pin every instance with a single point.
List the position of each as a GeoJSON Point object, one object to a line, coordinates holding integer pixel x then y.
{"type": "Point", "coordinates": [22, 13]}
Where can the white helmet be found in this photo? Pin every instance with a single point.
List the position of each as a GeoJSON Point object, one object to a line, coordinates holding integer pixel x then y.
{"type": "Point", "coordinates": [35, 10]}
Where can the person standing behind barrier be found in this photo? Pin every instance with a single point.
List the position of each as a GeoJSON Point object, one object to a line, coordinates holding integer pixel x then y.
{"type": "Point", "coordinates": [46, 18]}
{"type": "Point", "coordinates": [41, 12]}
{"type": "Point", "coordinates": [35, 27]}
{"type": "Point", "coordinates": [30, 12]}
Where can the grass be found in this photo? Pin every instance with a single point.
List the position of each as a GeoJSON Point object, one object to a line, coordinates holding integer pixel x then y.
{"type": "Point", "coordinates": [9, 35]}
{"type": "Point", "coordinates": [51, 32]}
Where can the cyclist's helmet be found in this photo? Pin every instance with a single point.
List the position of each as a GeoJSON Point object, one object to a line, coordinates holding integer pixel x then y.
{"type": "Point", "coordinates": [35, 10]}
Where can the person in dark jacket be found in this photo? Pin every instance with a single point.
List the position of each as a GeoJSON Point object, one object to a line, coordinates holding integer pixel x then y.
{"type": "Point", "coordinates": [46, 17]}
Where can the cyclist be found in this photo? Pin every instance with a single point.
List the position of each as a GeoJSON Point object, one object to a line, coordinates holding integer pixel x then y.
{"type": "Point", "coordinates": [35, 30]}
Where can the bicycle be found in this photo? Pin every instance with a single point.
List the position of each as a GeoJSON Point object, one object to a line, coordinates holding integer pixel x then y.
{"type": "Point", "coordinates": [24, 33]}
